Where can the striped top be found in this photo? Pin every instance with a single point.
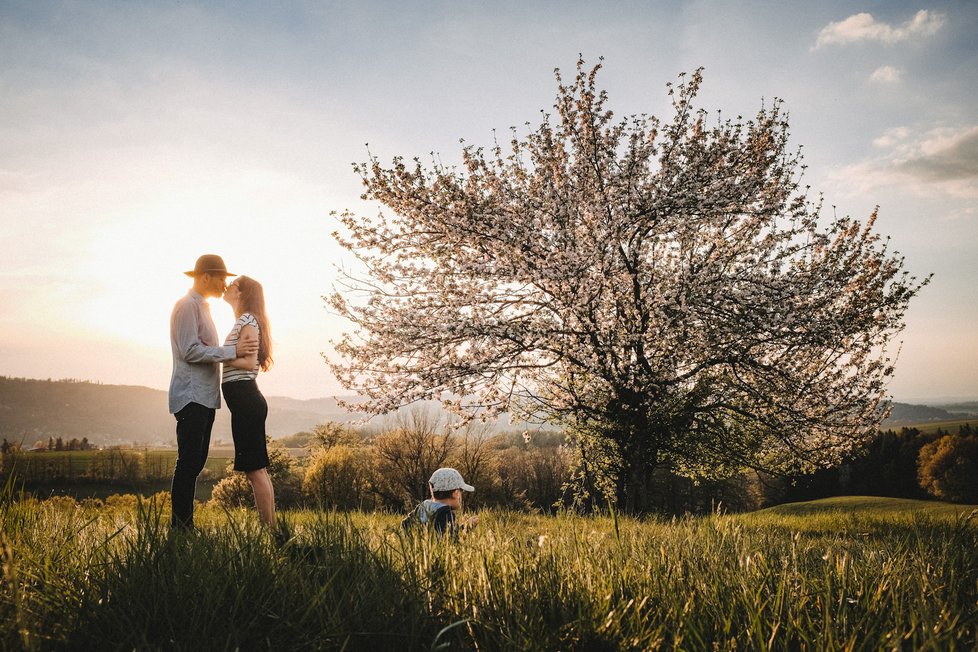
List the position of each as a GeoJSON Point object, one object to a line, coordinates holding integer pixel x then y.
{"type": "Point", "coordinates": [230, 373]}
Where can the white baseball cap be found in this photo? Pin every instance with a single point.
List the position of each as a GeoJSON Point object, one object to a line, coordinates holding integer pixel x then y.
{"type": "Point", "coordinates": [448, 479]}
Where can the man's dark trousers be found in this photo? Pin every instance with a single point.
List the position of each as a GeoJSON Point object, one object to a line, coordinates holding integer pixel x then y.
{"type": "Point", "coordinates": [194, 423]}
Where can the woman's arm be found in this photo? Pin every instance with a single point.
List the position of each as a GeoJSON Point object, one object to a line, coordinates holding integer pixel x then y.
{"type": "Point", "coordinates": [249, 362]}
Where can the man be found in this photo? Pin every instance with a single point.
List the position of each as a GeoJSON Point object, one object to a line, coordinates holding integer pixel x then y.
{"type": "Point", "coordinates": [195, 385]}
{"type": "Point", "coordinates": [438, 512]}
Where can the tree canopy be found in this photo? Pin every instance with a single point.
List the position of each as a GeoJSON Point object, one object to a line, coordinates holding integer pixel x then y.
{"type": "Point", "coordinates": [663, 287]}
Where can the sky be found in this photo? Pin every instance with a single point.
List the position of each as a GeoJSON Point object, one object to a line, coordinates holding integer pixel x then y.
{"type": "Point", "coordinates": [135, 136]}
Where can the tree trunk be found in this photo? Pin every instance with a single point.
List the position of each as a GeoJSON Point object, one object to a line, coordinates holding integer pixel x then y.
{"type": "Point", "coordinates": [639, 459]}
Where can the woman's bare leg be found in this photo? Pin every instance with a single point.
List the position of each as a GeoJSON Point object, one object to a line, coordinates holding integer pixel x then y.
{"type": "Point", "coordinates": [261, 485]}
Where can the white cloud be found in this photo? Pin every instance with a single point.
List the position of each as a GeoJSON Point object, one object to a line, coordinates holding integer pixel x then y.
{"type": "Point", "coordinates": [863, 27]}
{"type": "Point", "coordinates": [944, 156]}
{"type": "Point", "coordinates": [942, 161]}
{"type": "Point", "coordinates": [892, 136]}
{"type": "Point", "coordinates": [886, 75]}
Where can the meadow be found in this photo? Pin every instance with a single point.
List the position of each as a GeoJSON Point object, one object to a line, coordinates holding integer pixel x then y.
{"type": "Point", "coordinates": [945, 426]}
{"type": "Point", "coordinates": [837, 574]}
{"type": "Point", "coordinates": [102, 473]}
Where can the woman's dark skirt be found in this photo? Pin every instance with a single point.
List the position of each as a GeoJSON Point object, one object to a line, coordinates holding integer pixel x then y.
{"type": "Point", "coordinates": [248, 412]}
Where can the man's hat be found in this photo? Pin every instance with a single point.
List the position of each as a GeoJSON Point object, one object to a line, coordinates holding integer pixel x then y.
{"type": "Point", "coordinates": [448, 479]}
{"type": "Point", "coordinates": [209, 263]}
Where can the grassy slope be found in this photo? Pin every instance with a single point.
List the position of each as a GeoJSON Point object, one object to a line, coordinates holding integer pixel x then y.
{"type": "Point", "coordinates": [858, 516]}
{"type": "Point", "coordinates": [930, 427]}
{"type": "Point", "coordinates": [870, 506]}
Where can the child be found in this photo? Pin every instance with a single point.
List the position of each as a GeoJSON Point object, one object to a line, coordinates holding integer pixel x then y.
{"type": "Point", "coordinates": [438, 512]}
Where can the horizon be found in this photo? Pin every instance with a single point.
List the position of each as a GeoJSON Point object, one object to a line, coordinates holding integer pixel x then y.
{"type": "Point", "coordinates": [141, 136]}
{"type": "Point", "coordinates": [939, 401]}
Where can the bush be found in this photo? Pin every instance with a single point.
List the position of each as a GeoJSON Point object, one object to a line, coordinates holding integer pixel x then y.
{"type": "Point", "coordinates": [533, 478]}
{"type": "Point", "coordinates": [285, 479]}
{"type": "Point", "coordinates": [234, 490]}
{"type": "Point", "coordinates": [340, 477]}
{"type": "Point", "coordinates": [406, 455]}
{"type": "Point", "coordinates": [948, 468]}
{"type": "Point", "coordinates": [331, 434]}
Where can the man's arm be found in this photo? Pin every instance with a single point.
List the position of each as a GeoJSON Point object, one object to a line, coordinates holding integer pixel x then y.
{"type": "Point", "coordinates": [188, 343]}
{"type": "Point", "coordinates": [247, 335]}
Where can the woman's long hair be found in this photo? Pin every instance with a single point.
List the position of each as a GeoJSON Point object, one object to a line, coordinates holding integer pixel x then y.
{"type": "Point", "coordinates": [253, 300]}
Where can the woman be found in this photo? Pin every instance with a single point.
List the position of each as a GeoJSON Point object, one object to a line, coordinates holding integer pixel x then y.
{"type": "Point", "coordinates": [244, 400]}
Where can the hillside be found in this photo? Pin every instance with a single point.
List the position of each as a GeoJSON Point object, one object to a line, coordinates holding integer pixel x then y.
{"type": "Point", "coordinates": [905, 414]}
{"type": "Point", "coordinates": [31, 410]}
{"type": "Point", "coordinates": [867, 506]}
{"type": "Point", "coordinates": [123, 414]}
{"type": "Point", "coordinates": [968, 407]}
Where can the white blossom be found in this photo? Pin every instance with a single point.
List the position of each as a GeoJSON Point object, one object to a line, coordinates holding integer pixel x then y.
{"type": "Point", "coordinates": [665, 284]}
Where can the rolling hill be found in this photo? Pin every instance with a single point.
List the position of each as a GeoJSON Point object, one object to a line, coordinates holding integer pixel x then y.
{"type": "Point", "coordinates": [904, 414]}
{"type": "Point", "coordinates": [32, 410]}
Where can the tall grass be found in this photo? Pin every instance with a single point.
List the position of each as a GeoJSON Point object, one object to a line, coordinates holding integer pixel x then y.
{"type": "Point", "coordinates": [716, 583]}
{"type": "Point", "coordinates": [77, 578]}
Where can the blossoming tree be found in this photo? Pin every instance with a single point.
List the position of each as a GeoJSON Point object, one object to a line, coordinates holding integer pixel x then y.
{"type": "Point", "coordinates": [664, 288]}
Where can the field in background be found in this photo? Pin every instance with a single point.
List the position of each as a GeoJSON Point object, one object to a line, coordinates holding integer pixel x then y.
{"type": "Point", "coordinates": [102, 473]}
{"type": "Point", "coordinates": [866, 507]}
{"type": "Point", "coordinates": [948, 426]}
{"type": "Point", "coordinates": [837, 574]}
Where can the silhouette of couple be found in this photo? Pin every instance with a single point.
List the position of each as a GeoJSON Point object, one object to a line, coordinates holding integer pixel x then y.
{"type": "Point", "coordinates": [196, 384]}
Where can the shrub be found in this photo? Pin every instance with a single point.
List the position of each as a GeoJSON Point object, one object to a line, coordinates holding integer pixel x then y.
{"type": "Point", "coordinates": [340, 477]}
{"type": "Point", "coordinates": [331, 434]}
{"type": "Point", "coordinates": [406, 456]}
{"type": "Point", "coordinates": [285, 479]}
{"type": "Point", "coordinates": [478, 461]}
{"type": "Point", "coordinates": [234, 490]}
{"type": "Point", "coordinates": [948, 468]}
{"type": "Point", "coordinates": [533, 478]}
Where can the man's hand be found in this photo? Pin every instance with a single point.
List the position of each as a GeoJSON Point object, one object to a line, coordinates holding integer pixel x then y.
{"type": "Point", "coordinates": [246, 346]}
{"type": "Point", "coordinates": [470, 522]}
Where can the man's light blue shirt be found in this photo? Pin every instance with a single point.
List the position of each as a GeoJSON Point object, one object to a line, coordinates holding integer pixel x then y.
{"type": "Point", "coordinates": [196, 356]}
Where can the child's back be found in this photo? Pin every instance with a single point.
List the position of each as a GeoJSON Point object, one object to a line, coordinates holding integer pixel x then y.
{"type": "Point", "coordinates": [431, 514]}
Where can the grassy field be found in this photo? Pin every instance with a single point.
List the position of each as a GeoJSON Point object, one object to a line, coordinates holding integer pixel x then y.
{"type": "Point", "coordinates": [79, 462]}
{"type": "Point", "coordinates": [69, 473]}
{"type": "Point", "coordinates": [838, 574]}
{"type": "Point", "coordinates": [867, 507]}
{"type": "Point", "coordinates": [930, 427]}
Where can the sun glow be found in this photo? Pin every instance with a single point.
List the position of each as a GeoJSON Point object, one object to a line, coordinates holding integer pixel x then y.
{"type": "Point", "coordinates": [127, 274]}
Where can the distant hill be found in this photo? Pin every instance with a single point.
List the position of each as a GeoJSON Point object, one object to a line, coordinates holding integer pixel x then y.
{"type": "Point", "coordinates": [31, 410]}
{"type": "Point", "coordinates": [906, 414]}
{"type": "Point", "coordinates": [967, 408]}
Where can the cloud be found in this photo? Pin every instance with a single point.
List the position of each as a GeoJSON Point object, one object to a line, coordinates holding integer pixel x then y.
{"type": "Point", "coordinates": [886, 75]}
{"type": "Point", "coordinates": [863, 27]}
{"type": "Point", "coordinates": [892, 136]}
{"type": "Point", "coordinates": [937, 161]}
{"type": "Point", "coordinates": [944, 157]}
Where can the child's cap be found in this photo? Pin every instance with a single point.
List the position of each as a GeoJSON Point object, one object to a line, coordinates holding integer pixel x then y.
{"type": "Point", "coordinates": [448, 479]}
